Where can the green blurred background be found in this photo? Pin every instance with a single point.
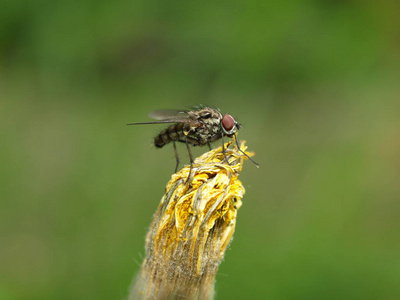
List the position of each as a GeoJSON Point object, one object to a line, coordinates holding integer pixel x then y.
{"type": "Point", "coordinates": [315, 85]}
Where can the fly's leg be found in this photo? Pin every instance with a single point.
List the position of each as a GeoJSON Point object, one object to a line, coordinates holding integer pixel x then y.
{"type": "Point", "coordinates": [223, 150]}
{"type": "Point", "coordinates": [176, 156]}
{"type": "Point", "coordinates": [191, 160]}
{"type": "Point", "coordinates": [237, 145]}
{"type": "Point", "coordinates": [209, 146]}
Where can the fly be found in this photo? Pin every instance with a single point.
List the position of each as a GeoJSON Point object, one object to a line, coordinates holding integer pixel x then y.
{"type": "Point", "coordinates": [194, 127]}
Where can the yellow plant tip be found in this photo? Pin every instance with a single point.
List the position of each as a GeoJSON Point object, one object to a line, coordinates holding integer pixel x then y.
{"type": "Point", "coordinates": [214, 160]}
{"type": "Point", "coordinates": [193, 226]}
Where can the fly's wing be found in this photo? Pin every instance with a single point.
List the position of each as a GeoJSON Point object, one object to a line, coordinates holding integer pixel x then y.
{"type": "Point", "coordinates": [169, 116]}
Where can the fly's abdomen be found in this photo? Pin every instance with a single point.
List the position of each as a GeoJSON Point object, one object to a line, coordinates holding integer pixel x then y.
{"type": "Point", "coordinates": [172, 133]}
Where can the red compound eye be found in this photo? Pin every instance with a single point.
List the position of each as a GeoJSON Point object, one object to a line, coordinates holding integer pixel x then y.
{"type": "Point", "coordinates": [228, 122]}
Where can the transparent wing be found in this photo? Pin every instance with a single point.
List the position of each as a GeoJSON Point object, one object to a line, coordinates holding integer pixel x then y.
{"type": "Point", "coordinates": [169, 115]}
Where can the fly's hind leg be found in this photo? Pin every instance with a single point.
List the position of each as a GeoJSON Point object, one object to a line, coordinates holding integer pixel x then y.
{"type": "Point", "coordinates": [191, 160]}
{"type": "Point", "coordinates": [209, 146]}
{"type": "Point", "coordinates": [176, 157]}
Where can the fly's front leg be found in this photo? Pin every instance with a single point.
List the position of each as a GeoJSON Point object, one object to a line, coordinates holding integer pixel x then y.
{"type": "Point", "coordinates": [238, 146]}
{"type": "Point", "coordinates": [223, 150]}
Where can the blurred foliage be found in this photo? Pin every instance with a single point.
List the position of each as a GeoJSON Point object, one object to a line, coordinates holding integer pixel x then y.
{"type": "Point", "coordinates": [315, 84]}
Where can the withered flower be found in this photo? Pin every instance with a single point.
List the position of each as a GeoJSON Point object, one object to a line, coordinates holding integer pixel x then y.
{"type": "Point", "coordinates": [192, 228]}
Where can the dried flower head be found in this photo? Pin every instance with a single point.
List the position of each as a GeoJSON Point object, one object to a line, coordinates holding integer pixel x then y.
{"type": "Point", "coordinates": [192, 228]}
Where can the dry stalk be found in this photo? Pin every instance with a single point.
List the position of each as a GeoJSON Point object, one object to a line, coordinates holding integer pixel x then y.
{"type": "Point", "coordinates": [192, 228]}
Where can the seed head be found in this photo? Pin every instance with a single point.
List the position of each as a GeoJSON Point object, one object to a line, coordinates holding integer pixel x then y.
{"type": "Point", "coordinates": [192, 228]}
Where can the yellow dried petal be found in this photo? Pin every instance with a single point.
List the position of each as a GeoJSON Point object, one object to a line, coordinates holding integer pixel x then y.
{"type": "Point", "coordinates": [192, 228]}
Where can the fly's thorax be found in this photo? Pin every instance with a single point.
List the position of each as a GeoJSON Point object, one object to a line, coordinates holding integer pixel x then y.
{"type": "Point", "coordinates": [205, 114]}
{"type": "Point", "coordinates": [205, 125]}
{"type": "Point", "coordinates": [212, 126]}
{"type": "Point", "coordinates": [208, 131]}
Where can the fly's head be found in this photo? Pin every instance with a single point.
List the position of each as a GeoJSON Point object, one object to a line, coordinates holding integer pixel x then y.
{"type": "Point", "coordinates": [229, 125]}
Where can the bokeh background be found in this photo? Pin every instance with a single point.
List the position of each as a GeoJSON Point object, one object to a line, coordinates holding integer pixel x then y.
{"type": "Point", "coordinates": [315, 85]}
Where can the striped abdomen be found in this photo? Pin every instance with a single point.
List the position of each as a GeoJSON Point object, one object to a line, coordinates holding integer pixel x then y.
{"type": "Point", "coordinates": [172, 133]}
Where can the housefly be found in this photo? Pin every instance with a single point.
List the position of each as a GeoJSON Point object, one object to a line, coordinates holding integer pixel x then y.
{"type": "Point", "coordinates": [194, 127]}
